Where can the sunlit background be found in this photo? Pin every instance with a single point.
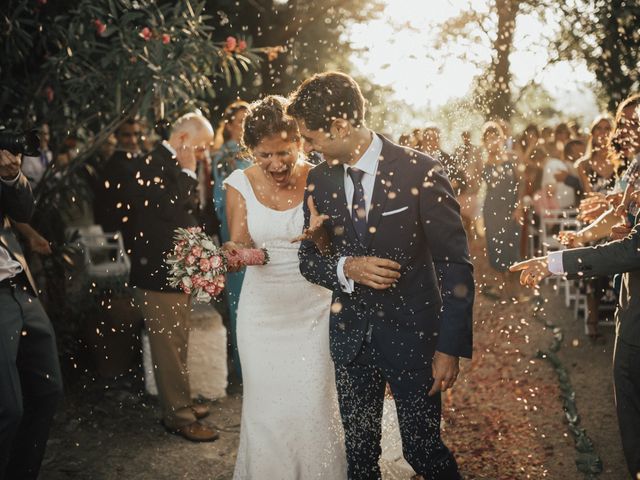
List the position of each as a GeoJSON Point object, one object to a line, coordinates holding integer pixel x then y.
{"type": "Point", "coordinates": [398, 49]}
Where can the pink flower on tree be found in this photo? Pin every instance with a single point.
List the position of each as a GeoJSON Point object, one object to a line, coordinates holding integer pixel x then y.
{"type": "Point", "coordinates": [100, 27]}
{"type": "Point", "coordinates": [48, 92]}
{"type": "Point", "coordinates": [146, 34]}
{"type": "Point", "coordinates": [166, 38]}
{"type": "Point", "coordinates": [231, 44]}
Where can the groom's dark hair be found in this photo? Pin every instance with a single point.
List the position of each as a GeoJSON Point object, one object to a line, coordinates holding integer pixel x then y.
{"type": "Point", "coordinates": [321, 99]}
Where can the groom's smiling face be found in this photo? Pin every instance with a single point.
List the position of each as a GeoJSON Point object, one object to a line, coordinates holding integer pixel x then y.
{"type": "Point", "coordinates": [330, 144]}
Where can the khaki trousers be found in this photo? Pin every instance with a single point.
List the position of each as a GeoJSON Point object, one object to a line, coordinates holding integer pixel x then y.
{"type": "Point", "coordinates": [166, 318]}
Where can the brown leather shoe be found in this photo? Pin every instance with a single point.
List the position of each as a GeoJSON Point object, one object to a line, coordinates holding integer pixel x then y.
{"type": "Point", "coordinates": [196, 432]}
{"type": "Point", "coordinates": [200, 410]}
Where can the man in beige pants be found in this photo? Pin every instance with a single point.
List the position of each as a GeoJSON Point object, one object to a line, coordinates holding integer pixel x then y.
{"type": "Point", "coordinates": [161, 198]}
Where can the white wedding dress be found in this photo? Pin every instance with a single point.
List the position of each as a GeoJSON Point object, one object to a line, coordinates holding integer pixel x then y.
{"type": "Point", "coordinates": [290, 420]}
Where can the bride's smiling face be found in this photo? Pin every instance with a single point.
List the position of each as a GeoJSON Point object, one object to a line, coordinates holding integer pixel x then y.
{"type": "Point", "coordinates": [277, 155]}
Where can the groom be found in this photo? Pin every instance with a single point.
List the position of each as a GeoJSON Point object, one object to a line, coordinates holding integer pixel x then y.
{"type": "Point", "coordinates": [399, 269]}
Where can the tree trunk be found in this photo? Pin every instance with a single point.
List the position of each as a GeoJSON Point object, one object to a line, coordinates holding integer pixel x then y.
{"type": "Point", "coordinates": [499, 93]}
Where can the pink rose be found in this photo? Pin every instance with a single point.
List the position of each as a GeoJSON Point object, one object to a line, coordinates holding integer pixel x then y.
{"type": "Point", "coordinates": [186, 290]}
{"type": "Point", "coordinates": [242, 45]}
{"type": "Point", "coordinates": [48, 92]}
{"type": "Point", "coordinates": [191, 260]}
{"type": "Point", "coordinates": [219, 280]}
{"type": "Point", "coordinates": [215, 261]}
{"type": "Point", "coordinates": [198, 281]}
{"type": "Point", "coordinates": [213, 289]}
{"type": "Point", "coordinates": [100, 27]}
{"type": "Point", "coordinates": [231, 44]}
{"type": "Point", "coordinates": [196, 250]}
{"type": "Point", "coordinates": [166, 38]}
{"type": "Point", "coordinates": [205, 266]}
{"type": "Point", "coordinates": [146, 34]}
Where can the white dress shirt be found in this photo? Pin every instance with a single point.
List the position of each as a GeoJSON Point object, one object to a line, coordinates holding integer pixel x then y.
{"type": "Point", "coordinates": [368, 163]}
{"type": "Point", "coordinates": [173, 152]}
{"type": "Point", "coordinates": [555, 263]}
{"type": "Point", "coordinates": [9, 267]}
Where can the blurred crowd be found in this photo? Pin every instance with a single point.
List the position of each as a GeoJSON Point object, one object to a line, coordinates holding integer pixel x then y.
{"type": "Point", "coordinates": [545, 188]}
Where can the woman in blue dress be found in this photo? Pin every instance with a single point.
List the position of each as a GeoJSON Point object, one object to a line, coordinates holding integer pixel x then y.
{"type": "Point", "coordinates": [229, 157]}
{"type": "Point", "coordinates": [502, 209]}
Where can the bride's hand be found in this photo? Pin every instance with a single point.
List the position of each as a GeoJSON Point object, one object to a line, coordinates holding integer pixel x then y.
{"type": "Point", "coordinates": [315, 231]}
{"type": "Point", "coordinates": [232, 248]}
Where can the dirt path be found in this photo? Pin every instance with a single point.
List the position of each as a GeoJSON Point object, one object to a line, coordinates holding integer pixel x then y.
{"type": "Point", "coordinates": [504, 419]}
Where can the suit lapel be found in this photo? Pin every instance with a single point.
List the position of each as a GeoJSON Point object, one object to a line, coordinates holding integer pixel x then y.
{"type": "Point", "coordinates": [380, 191]}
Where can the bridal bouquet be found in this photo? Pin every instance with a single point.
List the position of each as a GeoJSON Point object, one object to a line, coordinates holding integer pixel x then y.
{"type": "Point", "coordinates": [197, 266]}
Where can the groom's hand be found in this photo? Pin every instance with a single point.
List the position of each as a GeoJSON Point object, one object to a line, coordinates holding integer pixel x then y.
{"type": "Point", "coordinates": [374, 272]}
{"type": "Point", "coordinates": [445, 369]}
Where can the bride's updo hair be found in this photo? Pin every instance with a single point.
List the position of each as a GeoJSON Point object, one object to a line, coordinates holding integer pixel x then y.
{"type": "Point", "coordinates": [268, 117]}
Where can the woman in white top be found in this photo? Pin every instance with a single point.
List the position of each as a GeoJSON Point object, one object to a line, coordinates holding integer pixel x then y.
{"type": "Point", "coordinates": [290, 421]}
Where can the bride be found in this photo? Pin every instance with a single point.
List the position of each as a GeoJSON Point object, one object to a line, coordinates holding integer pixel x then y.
{"type": "Point", "coordinates": [290, 426]}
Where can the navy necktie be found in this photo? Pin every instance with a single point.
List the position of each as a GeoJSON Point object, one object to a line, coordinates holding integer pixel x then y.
{"type": "Point", "coordinates": [358, 205]}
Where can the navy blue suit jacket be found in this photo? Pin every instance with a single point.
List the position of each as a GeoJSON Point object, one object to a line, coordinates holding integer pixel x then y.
{"type": "Point", "coordinates": [414, 220]}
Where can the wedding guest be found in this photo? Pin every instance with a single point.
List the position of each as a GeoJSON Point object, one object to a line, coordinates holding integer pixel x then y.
{"type": "Point", "coordinates": [416, 139]}
{"type": "Point", "coordinates": [162, 199]}
{"type": "Point", "coordinates": [526, 142]}
{"type": "Point", "coordinates": [548, 141]}
{"type": "Point", "coordinates": [595, 170]}
{"type": "Point", "coordinates": [502, 209]}
{"type": "Point", "coordinates": [555, 172]}
{"type": "Point", "coordinates": [574, 150]}
{"type": "Point", "coordinates": [34, 167]}
{"type": "Point", "coordinates": [230, 157]}
{"type": "Point", "coordinates": [619, 256]}
{"type": "Point", "coordinates": [469, 164]}
{"type": "Point", "coordinates": [111, 206]}
{"type": "Point", "coordinates": [561, 136]}
{"type": "Point", "coordinates": [30, 379]}
{"type": "Point", "coordinates": [405, 140]}
{"type": "Point", "coordinates": [206, 211]}
{"type": "Point", "coordinates": [623, 144]}
{"type": "Point", "coordinates": [430, 145]}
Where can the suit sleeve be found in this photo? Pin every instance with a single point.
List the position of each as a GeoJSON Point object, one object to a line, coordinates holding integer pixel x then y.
{"type": "Point", "coordinates": [316, 267]}
{"type": "Point", "coordinates": [447, 242]}
{"type": "Point", "coordinates": [168, 189]}
{"type": "Point", "coordinates": [607, 259]}
{"type": "Point", "coordinates": [17, 200]}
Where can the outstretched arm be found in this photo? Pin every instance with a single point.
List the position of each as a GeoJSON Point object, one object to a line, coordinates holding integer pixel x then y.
{"type": "Point", "coordinates": [317, 267]}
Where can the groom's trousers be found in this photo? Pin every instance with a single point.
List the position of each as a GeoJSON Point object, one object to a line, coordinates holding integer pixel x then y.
{"type": "Point", "coordinates": [30, 381]}
{"type": "Point", "coordinates": [361, 386]}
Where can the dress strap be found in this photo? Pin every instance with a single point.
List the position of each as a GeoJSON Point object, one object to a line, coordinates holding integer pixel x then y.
{"type": "Point", "coordinates": [238, 180]}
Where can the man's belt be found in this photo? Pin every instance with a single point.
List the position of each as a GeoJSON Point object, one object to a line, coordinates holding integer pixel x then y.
{"type": "Point", "coordinates": [20, 282]}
